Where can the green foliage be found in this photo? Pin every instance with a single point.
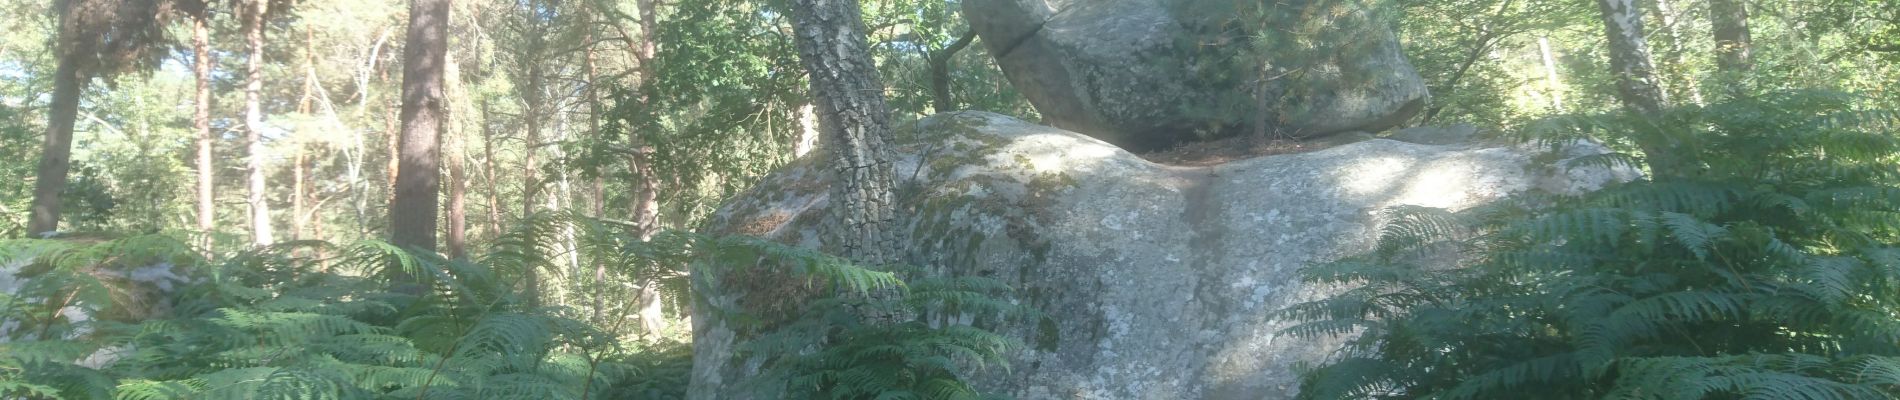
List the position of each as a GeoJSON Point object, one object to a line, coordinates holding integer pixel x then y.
{"type": "Point", "coordinates": [313, 320]}
{"type": "Point", "coordinates": [920, 358]}
{"type": "Point", "coordinates": [17, 158]}
{"type": "Point", "coordinates": [1770, 273]}
{"type": "Point", "coordinates": [300, 320]}
{"type": "Point", "coordinates": [1277, 48]}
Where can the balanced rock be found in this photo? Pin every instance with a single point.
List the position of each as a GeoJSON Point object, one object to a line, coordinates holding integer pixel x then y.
{"type": "Point", "coordinates": [1148, 74]}
{"type": "Point", "coordinates": [1160, 279]}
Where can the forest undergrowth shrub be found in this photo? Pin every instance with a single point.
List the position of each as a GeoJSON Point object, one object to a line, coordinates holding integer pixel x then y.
{"type": "Point", "coordinates": [867, 333]}
{"type": "Point", "coordinates": [313, 320]}
{"type": "Point", "coordinates": [1770, 272]}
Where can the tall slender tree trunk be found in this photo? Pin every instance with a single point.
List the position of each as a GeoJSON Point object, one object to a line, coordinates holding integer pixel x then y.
{"type": "Point", "coordinates": [261, 234]}
{"type": "Point", "coordinates": [299, 168]}
{"type": "Point", "coordinates": [852, 114]}
{"type": "Point", "coordinates": [412, 214]}
{"type": "Point", "coordinates": [645, 205]}
{"type": "Point", "coordinates": [597, 195]}
{"type": "Point", "coordinates": [458, 161]}
{"type": "Point", "coordinates": [392, 132]}
{"type": "Point", "coordinates": [560, 201]}
{"type": "Point", "coordinates": [1637, 87]}
{"type": "Point", "coordinates": [1550, 74]}
{"type": "Point", "coordinates": [1733, 48]}
{"type": "Point", "coordinates": [488, 169]}
{"type": "Point", "coordinates": [297, 193]}
{"type": "Point", "coordinates": [1636, 84]}
{"type": "Point", "coordinates": [530, 183]}
{"type": "Point", "coordinates": [1678, 73]}
{"type": "Point", "coordinates": [56, 158]}
{"type": "Point", "coordinates": [201, 123]}
{"type": "Point", "coordinates": [940, 72]}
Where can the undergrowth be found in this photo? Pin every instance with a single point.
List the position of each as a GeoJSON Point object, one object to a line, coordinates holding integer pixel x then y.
{"type": "Point", "coordinates": [148, 317]}
{"type": "Point", "coordinates": [1772, 271]}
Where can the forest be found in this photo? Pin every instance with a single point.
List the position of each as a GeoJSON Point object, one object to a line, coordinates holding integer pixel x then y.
{"type": "Point", "coordinates": [949, 199]}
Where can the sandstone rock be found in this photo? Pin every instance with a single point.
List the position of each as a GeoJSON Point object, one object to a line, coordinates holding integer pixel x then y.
{"type": "Point", "coordinates": [1160, 278]}
{"type": "Point", "coordinates": [1136, 73]}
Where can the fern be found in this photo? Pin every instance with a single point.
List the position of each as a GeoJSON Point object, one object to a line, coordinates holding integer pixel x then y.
{"type": "Point", "coordinates": [1766, 272]}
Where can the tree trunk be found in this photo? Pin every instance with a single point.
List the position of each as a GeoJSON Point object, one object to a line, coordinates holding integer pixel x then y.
{"type": "Point", "coordinates": [56, 159]}
{"type": "Point", "coordinates": [201, 122]}
{"type": "Point", "coordinates": [530, 183]}
{"type": "Point", "coordinates": [1550, 74]}
{"type": "Point", "coordinates": [856, 123]}
{"type": "Point", "coordinates": [1729, 21]}
{"type": "Point", "coordinates": [457, 240]}
{"type": "Point", "coordinates": [1636, 84]}
{"type": "Point", "coordinates": [940, 72]}
{"type": "Point", "coordinates": [646, 197]}
{"type": "Point", "coordinates": [597, 196]}
{"type": "Point", "coordinates": [412, 214]}
{"type": "Point", "coordinates": [261, 234]}
{"type": "Point", "coordinates": [1678, 73]}
{"type": "Point", "coordinates": [392, 146]}
{"type": "Point", "coordinates": [297, 193]}
{"type": "Point", "coordinates": [488, 168]}
{"type": "Point", "coordinates": [1636, 81]}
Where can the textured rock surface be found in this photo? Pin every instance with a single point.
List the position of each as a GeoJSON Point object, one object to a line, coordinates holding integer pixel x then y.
{"type": "Point", "coordinates": [1120, 70]}
{"type": "Point", "coordinates": [1160, 278]}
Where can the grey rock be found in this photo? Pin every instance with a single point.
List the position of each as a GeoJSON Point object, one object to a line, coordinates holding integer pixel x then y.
{"type": "Point", "coordinates": [1161, 279]}
{"type": "Point", "coordinates": [1125, 71]}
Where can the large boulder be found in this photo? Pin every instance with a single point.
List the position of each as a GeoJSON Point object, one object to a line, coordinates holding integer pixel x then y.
{"type": "Point", "coordinates": [1160, 279]}
{"type": "Point", "coordinates": [1148, 74]}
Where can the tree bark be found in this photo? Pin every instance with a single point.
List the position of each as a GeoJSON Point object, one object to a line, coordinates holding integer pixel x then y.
{"type": "Point", "coordinates": [412, 214]}
{"type": "Point", "coordinates": [530, 182]}
{"type": "Point", "coordinates": [1729, 22]}
{"type": "Point", "coordinates": [261, 234]}
{"type": "Point", "coordinates": [392, 146]}
{"type": "Point", "coordinates": [1637, 87]}
{"type": "Point", "coordinates": [56, 158]}
{"type": "Point", "coordinates": [645, 204]}
{"type": "Point", "coordinates": [1679, 74]}
{"type": "Point", "coordinates": [297, 193]}
{"type": "Point", "coordinates": [457, 240]}
{"type": "Point", "coordinates": [201, 123]}
{"type": "Point", "coordinates": [531, 99]}
{"type": "Point", "coordinates": [488, 168]}
{"type": "Point", "coordinates": [856, 123]}
{"type": "Point", "coordinates": [1636, 81]}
